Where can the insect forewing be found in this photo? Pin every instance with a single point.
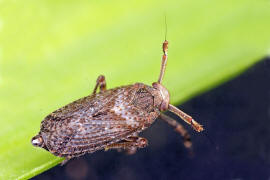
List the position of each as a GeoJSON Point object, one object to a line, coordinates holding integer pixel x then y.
{"type": "Point", "coordinates": [104, 118]}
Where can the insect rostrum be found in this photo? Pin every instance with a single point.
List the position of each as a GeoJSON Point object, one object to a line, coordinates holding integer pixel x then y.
{"type": "Point", "coordinates": [110, 119]}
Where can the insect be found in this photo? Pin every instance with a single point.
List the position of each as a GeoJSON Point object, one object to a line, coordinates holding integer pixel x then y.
{"type": "Point", "coordinates": [110, 119]}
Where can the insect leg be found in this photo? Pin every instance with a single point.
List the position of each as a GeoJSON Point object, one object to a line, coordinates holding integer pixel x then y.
{"type": "Point", "coordinates": [179, 129]}
{"type": "Point", "coordinates": [101, 84]}
{"type": "Point", "coordinates": [130, 144]}
{"type": "Point", "coordinates": [132, 150]}
{"type": "Point", "coordinates": [164, 60]}
{"type": "Point", "coordinates": [188, 119]}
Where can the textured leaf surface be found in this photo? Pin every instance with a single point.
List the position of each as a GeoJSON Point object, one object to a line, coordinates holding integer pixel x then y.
{"type": "Point", "coordinates": [51, 53]}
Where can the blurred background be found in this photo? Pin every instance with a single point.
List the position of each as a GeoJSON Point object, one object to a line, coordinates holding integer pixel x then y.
{"type": "Point", "coordinates": [51, 53]}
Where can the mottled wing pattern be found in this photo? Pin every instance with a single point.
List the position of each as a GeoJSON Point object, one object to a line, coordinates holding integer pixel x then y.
{"type": "Point", "coordinates": [93, 122]}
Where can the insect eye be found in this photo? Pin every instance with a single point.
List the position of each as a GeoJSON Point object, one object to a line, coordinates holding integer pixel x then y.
{"type": "Point", "coordinates": [37, 141]}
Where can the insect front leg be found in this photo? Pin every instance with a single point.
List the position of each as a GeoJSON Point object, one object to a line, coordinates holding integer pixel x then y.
{"type": "Point", "coordinates": [101, 84]}
{"type": "Point", "coordinates": [179, 129]}
{"type": "Point", "coordinates": [130, 144]}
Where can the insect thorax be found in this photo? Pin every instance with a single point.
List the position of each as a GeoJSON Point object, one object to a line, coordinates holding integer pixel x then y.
{"type": "Point", "coordinates": [144, 100]}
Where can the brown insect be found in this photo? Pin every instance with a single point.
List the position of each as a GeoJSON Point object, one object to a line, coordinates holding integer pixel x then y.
{"type": "Point", "coordinates": [110, 119]}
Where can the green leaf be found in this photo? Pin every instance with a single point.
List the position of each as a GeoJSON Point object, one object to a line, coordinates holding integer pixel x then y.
{"type": "Point", "coordinates": [51, 53]}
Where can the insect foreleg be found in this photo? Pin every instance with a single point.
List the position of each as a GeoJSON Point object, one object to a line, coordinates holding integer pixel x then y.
{"type": "Point", "coordinates": [101, 84]}
{"type": "Point", "coordinates": [179, 129]}
{"type": "Point", "coordinates": [188, 119]}
{"type": "Point", "coordinates": [164, 60]}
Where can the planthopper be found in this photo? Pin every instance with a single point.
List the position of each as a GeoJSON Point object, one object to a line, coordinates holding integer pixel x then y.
{"type": "Point", "coordinates": [110, 119]}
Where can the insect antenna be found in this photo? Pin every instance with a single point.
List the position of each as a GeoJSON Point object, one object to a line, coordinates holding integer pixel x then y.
{"type": "Point", "coordinates": [165, 27]}
{"type": "Point", "coordinates": [165, 55]}
{"type": "Point", "coordinates": [211, 140]}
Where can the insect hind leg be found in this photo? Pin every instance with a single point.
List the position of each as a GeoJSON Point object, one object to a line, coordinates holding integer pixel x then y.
{"type": "Point", "coordinates": [100, 83]}
{"type": "Point", "coordinates": [129, 144]}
